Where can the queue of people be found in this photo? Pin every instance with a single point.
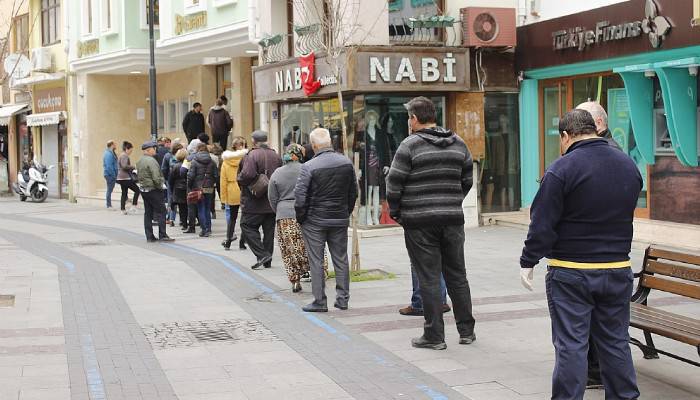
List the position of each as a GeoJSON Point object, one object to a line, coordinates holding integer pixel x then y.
{"type": "Point", "coordinates": [309, 201]}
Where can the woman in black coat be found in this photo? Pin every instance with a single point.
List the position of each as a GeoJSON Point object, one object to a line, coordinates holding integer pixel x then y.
{"type": "Point", "coordinates": [177, 180]}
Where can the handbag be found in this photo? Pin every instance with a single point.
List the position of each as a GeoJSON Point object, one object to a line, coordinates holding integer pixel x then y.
{"type": "Point", "coordinates": [194, 196]}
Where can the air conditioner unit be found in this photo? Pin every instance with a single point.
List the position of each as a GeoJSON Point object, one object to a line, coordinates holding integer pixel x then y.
{"type": "Point", "coordinates": [488, 27]}
{"type": "Point", "coordinates": [41, 59]}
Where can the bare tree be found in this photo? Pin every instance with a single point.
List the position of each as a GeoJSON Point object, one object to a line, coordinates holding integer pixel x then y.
{"type": "Point", "coordinates": [338, 34]}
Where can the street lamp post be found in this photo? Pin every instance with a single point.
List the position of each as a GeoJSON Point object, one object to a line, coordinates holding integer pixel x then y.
{"type": "Point", "coordinates": [152, 70]}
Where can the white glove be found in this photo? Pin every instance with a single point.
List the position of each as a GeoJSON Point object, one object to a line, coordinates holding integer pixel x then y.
{"type": "Point", "coordinates": [526, 275]}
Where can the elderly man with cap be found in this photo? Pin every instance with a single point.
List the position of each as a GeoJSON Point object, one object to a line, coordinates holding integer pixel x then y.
{"type": "Point", "coordinates": [151, 182]}
{"type": "Point", "coordinates": [589, 278]}
{"type": "Point", "coordinates": [254, 173]}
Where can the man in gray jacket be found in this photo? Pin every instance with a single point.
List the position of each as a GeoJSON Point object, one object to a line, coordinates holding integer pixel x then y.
{"type": "Point", "coordinates": [325, 197]}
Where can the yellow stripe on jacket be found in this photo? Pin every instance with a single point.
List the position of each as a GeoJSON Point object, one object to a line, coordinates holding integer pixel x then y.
{"type": "Point", "coordinates": [585, 265]}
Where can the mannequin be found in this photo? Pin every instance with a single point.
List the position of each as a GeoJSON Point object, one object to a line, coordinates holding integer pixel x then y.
{"type": "Point", "coordinates": [372, 169]}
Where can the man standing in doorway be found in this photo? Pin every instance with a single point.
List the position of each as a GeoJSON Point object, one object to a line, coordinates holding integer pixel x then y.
{"type": "Point", "coordinates": [110, 169]}
{"type": "Point", "coordinates": [325, 196]}
{"type": "Point", "coordinates": [254, 172]}
{"type": "Point", "coordinates": [427, 182]}
{"type": "Point", "coordinates": [220, 122]}
{"type": "Point", "coordinates": [589, 278]}
{"type": "Point", "coordinates": [193, 123]}
{"type": "Point", "coordinates": [151, 183]}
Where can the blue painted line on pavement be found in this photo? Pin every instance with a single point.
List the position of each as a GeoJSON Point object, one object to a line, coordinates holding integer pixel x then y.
{"type": "Point", "coordinates": [95, 383]}
{"type": "Point", "coordinates": [430, 392]}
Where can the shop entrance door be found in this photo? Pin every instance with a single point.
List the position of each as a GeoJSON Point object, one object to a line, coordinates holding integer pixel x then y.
{"type": "Point", "coordinates": [62, 160]}
{"type": "Point", "coordinates": [49, 155]}
{"type": "Point", "coordinates": [556, 102]}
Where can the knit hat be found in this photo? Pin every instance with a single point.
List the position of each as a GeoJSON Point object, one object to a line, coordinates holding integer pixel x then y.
{"type": "Point", "coordinates": [294, 152]}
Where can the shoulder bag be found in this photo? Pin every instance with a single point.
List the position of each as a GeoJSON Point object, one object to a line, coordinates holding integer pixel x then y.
{"type": "Point", "coordinates": [259, 187]}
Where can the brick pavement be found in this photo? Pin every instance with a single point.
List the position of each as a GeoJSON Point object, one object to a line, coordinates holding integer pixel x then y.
{"type": "Point", "coordinates": [512, 359]}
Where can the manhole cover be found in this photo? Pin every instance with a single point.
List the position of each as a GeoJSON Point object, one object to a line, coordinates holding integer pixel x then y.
{"type": "Point", "coordinates": [197, 333]}
{"type": "Point", "coordinates": [7, 300]}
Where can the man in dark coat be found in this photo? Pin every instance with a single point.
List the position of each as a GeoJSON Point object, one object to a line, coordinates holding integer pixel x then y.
{"type": "Point", "coordinates": [601, 121]}
{"type": "Point", "coordinates": [220, 122]}
{"type": "Point", "coordinates": [256, 211]}
{"type": "Point", "coordinates": [589, 278]}
{"type": "Point", "coordinates": [193, 123]}
{"type": "Point", "coordinates": [429, 177]}
{"type": "Point", "coordinates": [325, 196]}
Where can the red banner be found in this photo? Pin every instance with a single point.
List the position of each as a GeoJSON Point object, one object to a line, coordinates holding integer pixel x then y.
{"type": "Point", "coordinates": [308, 83]}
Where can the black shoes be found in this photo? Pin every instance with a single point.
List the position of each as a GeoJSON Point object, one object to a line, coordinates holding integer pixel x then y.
{"type": "Point", "coordinates": [190, 230]}
{"type": "Point", "coordinates": [241, 246]}
{"type": "Point", "coordinates": [306, 277]}
{"type": "Point", "coordinates": [467, 339]}
{"type": "Point", "coordinates": [314, 308]}
{"type": "Point", "coordinates": [264, 261]}
{"type": "Point", "coordinates": [151, 239]}
{"type": "Point", "coordinates": [204, 234]}
{"type": "Point", "coordinates": [594, 383]}
{"type": "Point", "coordinates": [340, 307]}
{"type": "Point", "coordinates": [166, 239]}
{"type": "Point", "coordinates": [226, 244]}
{"type": "Point", "coordinates": [422, 343]}
{"type": "Point", "coordinates": [296, 287]}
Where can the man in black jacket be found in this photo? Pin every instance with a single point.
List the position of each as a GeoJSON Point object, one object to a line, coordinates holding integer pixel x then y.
{"type": "Point", "coordinates": [600, 117]}
{"type": "Point", "coordinates": [193, 123]}
{"type": "Point", "coordinates": [429, 178]}
{"type": "Point", "coordinates": [325, 196]}
{"type": "Point", "coordinates": [589, 279]}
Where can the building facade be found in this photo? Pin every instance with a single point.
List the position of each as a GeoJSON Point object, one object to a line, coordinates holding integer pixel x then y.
{"type": "Point", "coordinates": [394, 51]}
{"type": "Point", "coordinates": [202, 52]}
{"type": "Point", "coordinates": [640, 60]}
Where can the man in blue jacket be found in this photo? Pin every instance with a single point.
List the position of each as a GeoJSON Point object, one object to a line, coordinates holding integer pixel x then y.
{"type": "Point", "coordinates": [582, 220]}
{"type": "Point", "coordinates": [109, 167]}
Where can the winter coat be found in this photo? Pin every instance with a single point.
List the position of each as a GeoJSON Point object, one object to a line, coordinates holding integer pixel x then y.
{"type": "Point", "coordinates": [193, 124]}
{"type": "Point", "coordinates": [429, 178]}
{"type": "Point", "coordinates": [150, 177]}
{"type": "Point", "coordinates": [177, 179]}
{"type": "Point", "coordinates": [168, 162]}
{"type": "Point", "coordinates": [202, 173]}
{"type": "Point", "coordinates": [256, 162]}
{"type": "Point", "coordinates": [326, 191]}
{"type": "Point", "coordinates": [125, 168]}
{"type": "Point", "coordinates": [220, 121]}
{"type": "Point", "coordinates": [230, 191]}
{"type": "Point", "coordinates": [161, 151]}
{"type": "Point", "coordinates": [109, 164]}
{"type": "Point", "coordinates": [281, 190]}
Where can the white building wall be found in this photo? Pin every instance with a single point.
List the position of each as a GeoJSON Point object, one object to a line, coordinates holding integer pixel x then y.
{"type": "Point", "coordinates": [541, 10]}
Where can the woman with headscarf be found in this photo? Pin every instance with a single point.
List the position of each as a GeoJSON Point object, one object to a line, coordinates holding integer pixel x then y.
{"type": "Point", "coordinates": [281, 195]}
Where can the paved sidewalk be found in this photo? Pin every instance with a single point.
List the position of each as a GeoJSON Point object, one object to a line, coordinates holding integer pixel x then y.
{"type": "Point", "coordinates": [100, 314]}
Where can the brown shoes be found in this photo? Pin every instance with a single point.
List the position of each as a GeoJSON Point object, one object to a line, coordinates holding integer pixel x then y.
{"type": "Point", "coordinates": [409, 310]}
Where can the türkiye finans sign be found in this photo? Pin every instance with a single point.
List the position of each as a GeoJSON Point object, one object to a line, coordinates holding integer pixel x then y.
{"type": "Point", "coordinates": [654, 25]}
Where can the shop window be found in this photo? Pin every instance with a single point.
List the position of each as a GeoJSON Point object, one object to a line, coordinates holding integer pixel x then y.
{"type": "Point", "coordinates": [50, 21]}
{"type": "Point", "coordinates": [161, 117]}
{"type": "Point", "coordinates": [21, 34]}
{"type": "Point", "coordinates": [108, 16]}
{"type": "Point", "coordinates": [298, 120]}
{"type": "Point", "coordinates": [500, 184]}
{"type": "Point", "coordinates": [184, 109]}
{"type": "Point", "coordinates": [172, 116]}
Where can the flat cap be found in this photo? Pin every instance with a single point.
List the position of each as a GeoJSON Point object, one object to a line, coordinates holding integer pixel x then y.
{"type": "Point", "coordinates": [260, 136]}
{"type": "Point", "coordinates": [148, 145]}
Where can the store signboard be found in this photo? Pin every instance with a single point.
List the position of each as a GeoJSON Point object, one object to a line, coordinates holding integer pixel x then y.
{"type": "Point", "coordinates": [49, 100]}
{"type": "Point", "coordinates": [624, 28]}
{"type": "Point", "coordinates": [369, 69]}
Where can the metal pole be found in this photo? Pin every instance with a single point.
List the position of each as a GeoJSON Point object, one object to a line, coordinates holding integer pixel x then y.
{"type": "Point", "coordinates": [152, 71]}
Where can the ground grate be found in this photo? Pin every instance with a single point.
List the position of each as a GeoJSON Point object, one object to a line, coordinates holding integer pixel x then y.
{"type": "Point", "coordinates": [198, 333]}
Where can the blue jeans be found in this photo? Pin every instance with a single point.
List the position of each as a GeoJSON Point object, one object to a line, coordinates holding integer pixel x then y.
{"type": "Point", "coordinates": [171, 207]}
{"type": "Point", "coordinates": [204, 212]}
{"type": "Point", "coordinates": [416, 301]}
{"type": "Point", "coordinates": [110, 187]}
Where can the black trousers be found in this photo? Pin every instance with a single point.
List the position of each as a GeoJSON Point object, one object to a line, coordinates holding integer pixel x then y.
{"type": "Point", "coordinates": [126, 185]}
{"type": "Point", "coordinates": [250, 225]}
{"type": "Point", "coordinates": [154, 211]}
{"type": "Point", "coordinates": [192, 213]}
{"type": "Point", "coordinates": [231, 223]}
{"type": "Point", "coordinates": [182, 208]}
{"type": "Point", "coordinates": [436, 251]}
{"type": "Point", "coordinates": [222, 140]}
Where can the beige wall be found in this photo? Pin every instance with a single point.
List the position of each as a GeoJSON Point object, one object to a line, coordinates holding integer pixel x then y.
{"type": "Point", "coordinates": [108, 111]}
{"type": "Point", "coordinates": [241, 105]}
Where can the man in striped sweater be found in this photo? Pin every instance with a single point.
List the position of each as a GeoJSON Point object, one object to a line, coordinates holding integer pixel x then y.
{"type": "Point", "coordinates": [428, 180]}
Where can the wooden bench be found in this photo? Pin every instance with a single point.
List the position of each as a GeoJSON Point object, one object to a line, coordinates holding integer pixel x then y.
{"type": "Point", "coordinates": [671, 272]}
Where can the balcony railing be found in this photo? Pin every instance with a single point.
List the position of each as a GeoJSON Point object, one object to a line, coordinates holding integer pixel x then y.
{"type": "Point", "coordinates": [309, 38]}
{"type": "Point", "coordinates": [274, 48]}
{"type": "Point", "coordinates": [424, 30]}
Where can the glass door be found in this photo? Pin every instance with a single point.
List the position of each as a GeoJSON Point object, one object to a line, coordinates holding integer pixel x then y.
{"type": "Point", "coordinates": [555, 104]}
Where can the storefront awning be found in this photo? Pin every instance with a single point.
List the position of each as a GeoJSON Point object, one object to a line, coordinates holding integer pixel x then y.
{"type": "Point", "coordinates": [43, 119]}
{"type": "Point", "coordinates": [8, 111]}
{"type": "Point", "coordinates": [37, 78]}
